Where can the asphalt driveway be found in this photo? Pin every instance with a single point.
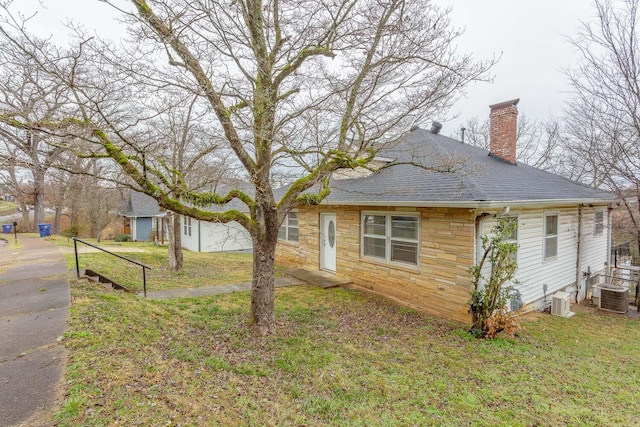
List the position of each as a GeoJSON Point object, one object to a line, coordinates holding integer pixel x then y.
{"type": "Point", "coordinates": [34, 308]}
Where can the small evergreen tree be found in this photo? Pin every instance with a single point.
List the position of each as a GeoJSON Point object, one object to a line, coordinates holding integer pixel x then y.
{"type": "Point", "coordinates": [489, 296]}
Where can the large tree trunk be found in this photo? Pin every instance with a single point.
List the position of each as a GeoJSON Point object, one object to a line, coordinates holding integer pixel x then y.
{"type": "Point", "coordinates": [26, 225]}
{"type": "Point", "coordinates": [175, 241]}
{"type": "Point", "coordinates": [56, 220]}
{"type": "Point", "coordinates": [38, 200]}
{"type": "Point", "coordinates": [265, 239]}
{"type": "Point", "coordinates": [262, 317]}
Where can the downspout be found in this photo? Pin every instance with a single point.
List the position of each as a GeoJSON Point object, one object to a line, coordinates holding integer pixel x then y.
{"type": "Point", "coordinates": [578, 257]}
{"type": "Point", "coordinates": [134, 229]}
{"type": "Point", "coordinates": [477, 236]}
{"type": "Point", "coordinates": [609, 237]}
{"type": "Point", "coordinates": [199, 239]}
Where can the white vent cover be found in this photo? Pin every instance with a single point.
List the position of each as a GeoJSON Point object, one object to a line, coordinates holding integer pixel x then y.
{"type": "Point", "coordinates": [560, 304]}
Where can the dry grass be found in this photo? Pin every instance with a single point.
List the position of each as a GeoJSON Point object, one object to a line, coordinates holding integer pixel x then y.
{"type": "Point", "coordinates": [7, 208]}
{"type": "Point", "coordinates": [200, 269]}
{"type": "Point", "coordinates": [338, 358]}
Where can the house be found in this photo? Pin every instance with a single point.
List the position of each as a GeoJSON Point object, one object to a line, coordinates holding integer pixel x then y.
{"type": "Point", "coordinates": [143, 219]}
{"type": "Point", "coordinates": [205, 236]}
{"type": "Point", "coordinates": [412, 230]}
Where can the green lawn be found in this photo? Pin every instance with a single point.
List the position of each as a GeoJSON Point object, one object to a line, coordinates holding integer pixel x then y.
{"type": "Point", "coordinates": [199, 268]}
{"type": "Point", "coordinates": [338, 358]}
{"type": "Point", "coordinates": [7, 208]}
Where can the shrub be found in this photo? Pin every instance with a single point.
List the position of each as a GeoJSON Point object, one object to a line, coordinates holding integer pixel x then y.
{"type": "Point", "coordinates": [489, 296]}
{"type": "Point", "coordinates": [122, 238]}
{"type": "Point", "coordinates": [73, 231]}
{"type": "Point", "coordinates": [502, 321]}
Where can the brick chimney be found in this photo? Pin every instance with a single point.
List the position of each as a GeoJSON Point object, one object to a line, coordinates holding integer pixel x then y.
{"type": "Point", "coordinates": [502, 130]}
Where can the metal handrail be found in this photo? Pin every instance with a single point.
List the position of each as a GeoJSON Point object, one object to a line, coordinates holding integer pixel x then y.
{"type": "Point", "coordinates": [144, 267]}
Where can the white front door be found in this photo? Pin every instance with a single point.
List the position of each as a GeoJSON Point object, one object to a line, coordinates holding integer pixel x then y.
{"type": "Point", "coordinates": [328, 241]}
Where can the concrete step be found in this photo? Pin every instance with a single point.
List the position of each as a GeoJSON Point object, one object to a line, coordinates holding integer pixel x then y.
{"type": "Point", "coordinates": [96, 277]}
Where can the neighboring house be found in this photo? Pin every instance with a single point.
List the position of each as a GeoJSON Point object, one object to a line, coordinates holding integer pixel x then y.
{"type": "Point", "coordinates": [204, 236]}
{"type": "Point", "coordinates": [143, 219]}
{"type": "Point", "coordinates": [412, 230]}
{"type": "Point", "coordinates": [6, 194]}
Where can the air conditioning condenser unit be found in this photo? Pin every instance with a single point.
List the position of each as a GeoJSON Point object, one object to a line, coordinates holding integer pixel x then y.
{"type": "Point", "coordinates": [560, 304]}
{"type": "Point", "coordinates": [614, 298]}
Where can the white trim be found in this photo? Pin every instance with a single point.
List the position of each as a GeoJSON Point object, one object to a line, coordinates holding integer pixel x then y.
{"type": "Point", "coordinates": [544, 236]}
{"type": "Point", "coordinates": [595, 223]}
{"type": "Point", "coordinates": [287, 226]}
{"type": "Point", "coordinates": [388, 237]}
{"type": "Point", "coordinates": [328, 257]}
{"type": "Point", "coordinates": [516, 217]}
{"type": "Point", "coordinates": [531, 204]}
{"type": "Point", "coordinates": [187, 230]}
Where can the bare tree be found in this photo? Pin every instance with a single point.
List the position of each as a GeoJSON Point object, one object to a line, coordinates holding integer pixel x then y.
{"type": "Point", "coordinates": [29, 95]}
{"type": "Point", "coordinates": [538, 142]}
{"type": "Point", "coordinates": [191, 155]}
{"type": "Point", "coordinates": [314, 85]}
{"type": "Point", "coordinates": [604, 113]}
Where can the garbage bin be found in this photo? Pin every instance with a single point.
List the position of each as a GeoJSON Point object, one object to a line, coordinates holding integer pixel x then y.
{"type": "Point", "coordinates": [45, 229]}
{"type": "Point", "coordinates": [6, 228]}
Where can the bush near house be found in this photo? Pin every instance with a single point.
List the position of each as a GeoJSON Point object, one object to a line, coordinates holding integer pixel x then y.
{"type": "Point", "coordinates": [489, 296]}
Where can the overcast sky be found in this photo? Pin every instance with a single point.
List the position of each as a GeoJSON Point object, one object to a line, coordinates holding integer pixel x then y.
{"type": "Point", "coordinates": [529, 34]}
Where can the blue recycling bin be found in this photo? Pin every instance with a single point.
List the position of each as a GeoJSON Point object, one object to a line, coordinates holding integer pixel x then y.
{"type": "Point", "coordinates": [45, 229]}
{"type": "Point", "coordinates": [6, 228]}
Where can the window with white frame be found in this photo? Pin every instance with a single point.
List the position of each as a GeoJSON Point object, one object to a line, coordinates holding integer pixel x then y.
{"type": "Point", "coordinates": [187, 225]}
{"type": "Point", "coordinates": [391, 237]}
{"type": "Point", "coordinates": [289, 229]}
{"type": "Point", "coordinates": [550, 236]}
{"type": "Point", "coordinates": [511, 224]}
{"type": "Point", "coordinates": [598, 223]}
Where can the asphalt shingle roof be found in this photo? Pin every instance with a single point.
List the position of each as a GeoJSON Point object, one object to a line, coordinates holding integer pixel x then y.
{"type": "Point", "coordinates": [435, 168]}
{"type": "Point", "coordinates": [142, 205]}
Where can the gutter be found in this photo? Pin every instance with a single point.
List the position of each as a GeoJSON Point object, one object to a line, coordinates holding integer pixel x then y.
{"type": "Point", "coordinates": [494, 204]}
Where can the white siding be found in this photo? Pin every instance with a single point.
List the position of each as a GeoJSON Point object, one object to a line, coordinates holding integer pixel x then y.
{"type": "Point", "coordinates": [557, 273]}
{"type": "Point", "coordinates": [533, 270]}
{"type": "Point", "coordinates": [215, 237]}
{"type": "Point", "coordinates": [594, 248]}
{"type": "Point", "coordinates": [189, 242]}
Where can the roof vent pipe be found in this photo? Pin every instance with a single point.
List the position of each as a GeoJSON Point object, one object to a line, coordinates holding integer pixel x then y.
{"type": "Point", "coordinates": [462, 129]}
{"type": "Point", "coordinates": [414, 127]}
{"type": "Point", "coordinates": [435, 127]}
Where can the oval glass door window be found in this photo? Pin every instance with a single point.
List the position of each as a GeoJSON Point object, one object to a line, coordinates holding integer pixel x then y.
{"type": "Point", "coordinates": [332, 234]}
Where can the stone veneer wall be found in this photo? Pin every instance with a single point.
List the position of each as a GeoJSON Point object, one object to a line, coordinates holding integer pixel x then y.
{"type": "Point", "coordinates": [440, 285]}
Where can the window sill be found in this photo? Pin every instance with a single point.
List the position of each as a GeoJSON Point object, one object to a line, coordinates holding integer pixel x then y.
{"type": "Point", "coordinates": [288, 243]}
{"type": "Point", "coordinates": [392, 265]}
